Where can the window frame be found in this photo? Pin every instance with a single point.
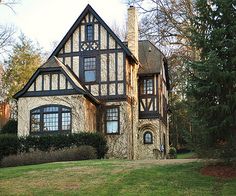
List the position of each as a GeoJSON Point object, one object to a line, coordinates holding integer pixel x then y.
{"type": "Point", "coordinates": [143, 82]}
{"type": "Point", "coordinates": [41, 119]}
{"type": "Point", "coordinates": [96, 68]}
{"type": "Point", "coordinates": [144, 140]}
{"type": "Point", "coordinates": [118, 110]}
{"type": "Point", "coordinates": [92, 32]}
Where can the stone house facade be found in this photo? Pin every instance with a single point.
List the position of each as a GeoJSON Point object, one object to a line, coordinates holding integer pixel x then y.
{"type": "Point", "coordinates": [94, 82]}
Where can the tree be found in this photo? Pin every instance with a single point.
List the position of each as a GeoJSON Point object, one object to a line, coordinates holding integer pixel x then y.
{"type": "Point", "coordinates": [23, 62]}
{"type": "Point", "coordinates": [166, 23]}
{"type": "Point", "coordinates": [7, 31]}
{"type": "Point", "coordinates": [212, 82]}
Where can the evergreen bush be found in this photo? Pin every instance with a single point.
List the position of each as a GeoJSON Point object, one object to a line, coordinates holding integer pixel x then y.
{"type": "Point", "coordinates": [11, 144]}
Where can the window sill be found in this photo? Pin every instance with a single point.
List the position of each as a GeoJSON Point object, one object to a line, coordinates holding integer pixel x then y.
{"type": "Point", "coordinates": [113, 133]}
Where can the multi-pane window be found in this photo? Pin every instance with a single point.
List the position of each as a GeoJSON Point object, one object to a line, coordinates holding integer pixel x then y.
{"type": "Point", "coordinates": [66, 119]}
{"type": "Point", "coordinates": [147, 138]}
{"type": "Point", "coordinates": [146, 86]}
{"type": "Point", "coordinates": [89, 32]}
{"type": "Point", "coordinates": [50, 122]}
{"type": "Point", "coordinates": [112, 120]}
{"type": "Point", "coordinates": [89, 69]}
{"type": "Point", "coordinates": [35, 122]}
{"type": "Point", "coordinates": [50, 118]}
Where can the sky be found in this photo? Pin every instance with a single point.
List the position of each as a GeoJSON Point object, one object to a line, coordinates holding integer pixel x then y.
{"type": "Point", "coordinates": [47, 21]}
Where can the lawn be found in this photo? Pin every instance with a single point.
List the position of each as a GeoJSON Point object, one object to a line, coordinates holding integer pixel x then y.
{"type": "Point", "coordinates": [112, 177]}
{"type": "Point", "coordinates": [187, 155]}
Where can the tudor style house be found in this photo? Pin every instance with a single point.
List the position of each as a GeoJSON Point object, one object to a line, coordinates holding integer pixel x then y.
{"type": "Point", "coordinates": [94, 82]}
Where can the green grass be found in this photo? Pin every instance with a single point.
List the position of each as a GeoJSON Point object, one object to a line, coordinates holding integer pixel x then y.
{"type": "Point", "coordinates": [111, 177]}
{"type": "Point", "coordinates": [186, 155]}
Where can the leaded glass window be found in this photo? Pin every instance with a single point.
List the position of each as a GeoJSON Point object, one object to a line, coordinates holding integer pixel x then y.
{"type": "Point", "coordinates": [50, 118]}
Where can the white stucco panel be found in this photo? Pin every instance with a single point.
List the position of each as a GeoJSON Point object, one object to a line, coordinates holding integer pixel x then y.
{"type": "Point", "coordinates": [75, 102]}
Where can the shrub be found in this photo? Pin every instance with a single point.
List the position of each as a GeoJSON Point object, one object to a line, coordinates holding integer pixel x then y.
{"type": "Point", "coordinates": [46, 143]}
{"type": "Point", "coordinates": [37, 157]}
{"type": "Point", "coordinates": [87, 152]}
{"type": "Point", "coordinates": [9, 144]}
{"type": "Point", "coordinates": [172, 153]}
{"type": "Point", "coordinates": [10, 127]}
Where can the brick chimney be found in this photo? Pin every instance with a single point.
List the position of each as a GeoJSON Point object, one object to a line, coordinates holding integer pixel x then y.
{"type": "Point", "coordinates": [133, 31]}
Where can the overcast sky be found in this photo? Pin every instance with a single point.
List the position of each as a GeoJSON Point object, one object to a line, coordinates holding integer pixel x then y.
{"type": "Point", "coordinates": [47, 21]}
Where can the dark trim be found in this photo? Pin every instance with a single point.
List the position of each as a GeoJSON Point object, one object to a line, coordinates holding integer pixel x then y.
{"type": "Point", "coordinates": [149, 115]}
{"type": "Point", "coordinates": [157, 92]}
{"type": "Point", "coordinates": [50, 81]}
{"type": "Point", "coordinates": [79, 39]}
{"type": "Point", "coordinates": [116, 69]}
{"type": "Point", "coordinates": [89, 52]}
{"type": "Point", "coordinates": [50, 93]}
{"type": "Point", "coordinates": [89, 9]}
{"type": "Point", "coordinates": [124, 73]}
{"type": "Point", "coordinates": [167, 74]}
{"type": "Point", "coordinates": [42, 77]}
{"type": "Point", "coordinates": [43, 71]}
{"type": "Point", "coordinates": [108, 71]}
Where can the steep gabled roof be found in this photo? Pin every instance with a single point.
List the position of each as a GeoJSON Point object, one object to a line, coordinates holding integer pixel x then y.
{"type": "Point", "coordinates": [151, 59]}
{"type": "Point", "coordinates": [54, 64]}
{"type": "Point", "coordinates": [76, 24]}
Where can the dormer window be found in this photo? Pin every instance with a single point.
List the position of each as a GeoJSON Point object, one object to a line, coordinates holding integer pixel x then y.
{"type": "Point", "coordinates": [89, 32]}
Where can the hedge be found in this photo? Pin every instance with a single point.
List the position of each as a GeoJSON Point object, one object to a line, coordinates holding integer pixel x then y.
{"type": "Point", "coordinates": [11, 144]}
{"type": "Point", "coordinates": [10, 127]}
{"type": "Point", "coordinates": [37, 157]}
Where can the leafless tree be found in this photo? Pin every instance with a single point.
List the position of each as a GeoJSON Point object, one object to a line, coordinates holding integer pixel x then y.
{"type": "Point", "coordinates": [6, 38]}
{"type": "Point", "coordinates": [167, 24]}
{"type": "Point", "coordinates": [120, 31]}
{"type": "Point", "coordinates": [9, 3]}
{"type": "Point", "coordinates": [7, 31]}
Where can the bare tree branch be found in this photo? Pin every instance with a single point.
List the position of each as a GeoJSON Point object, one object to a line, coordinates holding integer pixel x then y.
{"type": "Point", "coordinates": [9, 4]}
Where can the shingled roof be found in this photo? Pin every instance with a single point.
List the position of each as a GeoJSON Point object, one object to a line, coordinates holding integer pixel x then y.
{"type": "Point", "coordinates": [151, 60]}
{"type": "Point", "coordinates": [150, 57]}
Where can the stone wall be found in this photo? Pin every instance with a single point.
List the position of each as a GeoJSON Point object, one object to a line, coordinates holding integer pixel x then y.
{"type": "Point", "coordinates": [120, 145]}
{"type": "Point", "coordinates": [158, 130]}
{"type": "Point", "coordinates": [83, 112]}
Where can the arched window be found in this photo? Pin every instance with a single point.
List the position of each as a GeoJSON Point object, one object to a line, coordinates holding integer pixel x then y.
{"type": "Point", "coordinates": [50, 118]}
{"type": "Point", "coordinates": [147, 138]}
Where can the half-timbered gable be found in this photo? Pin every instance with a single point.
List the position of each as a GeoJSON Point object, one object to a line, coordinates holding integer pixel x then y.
{"type": "Point", "coordinates": [96, 55]}
{"type": "Point", "coordinates": [152, 81]}
{"type": "Point", "coordinates": [53, 78]}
